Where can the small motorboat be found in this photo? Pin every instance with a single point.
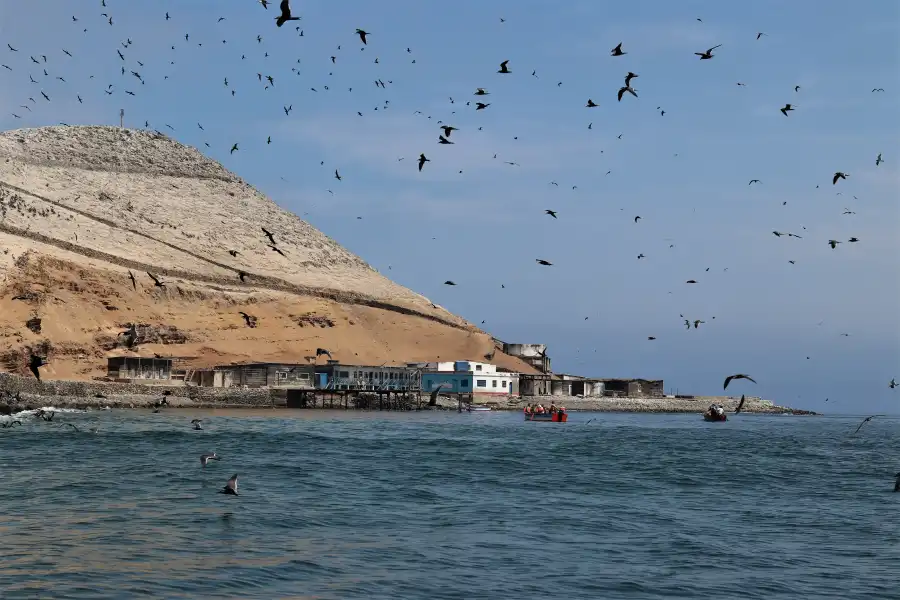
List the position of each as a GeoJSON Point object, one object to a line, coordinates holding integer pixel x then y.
{"type": "Point", "coordinates": [555, 417]}
{"type": "Point", "coordinates": [715, 413]}
{"type": "Point", "coordinates": [478, 408]}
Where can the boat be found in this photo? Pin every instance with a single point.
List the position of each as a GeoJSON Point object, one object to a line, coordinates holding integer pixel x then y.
{"type": "Point", "coordinates": [714, 417]}
{"type": "Point", "coordinates": [556, 417]}
{"type": "Point", "coordinates": [479, 409]}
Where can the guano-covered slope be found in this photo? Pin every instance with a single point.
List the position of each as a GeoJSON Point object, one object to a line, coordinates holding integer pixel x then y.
{"type": "Point", "coordinates": [81, 206]}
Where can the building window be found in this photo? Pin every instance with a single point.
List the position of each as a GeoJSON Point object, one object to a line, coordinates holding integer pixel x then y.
{"type": "Point", "coordinates": [464, 383]}
{"type": "Point", "coordinates": [477, 367]}
{"type": "Point", "coordinates": [504, 383]}
{"type": "Point", "coordinates": [482, 383]}
{"type": "Point", "coordinates": [303, 376]}
{"type": "Point", "coordinates": [282, 375]}
{"type": "Point", "coordinates": [494, 382]}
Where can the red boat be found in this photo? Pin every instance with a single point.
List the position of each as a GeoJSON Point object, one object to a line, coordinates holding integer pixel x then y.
{"type": "Point", "coordinates": [556, 417]}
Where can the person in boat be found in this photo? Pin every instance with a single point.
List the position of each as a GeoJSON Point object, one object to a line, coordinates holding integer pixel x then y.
{"type": "Point", "coordinates": [540, 409]}
{"type": "Point", "coordinates": [528, 409]}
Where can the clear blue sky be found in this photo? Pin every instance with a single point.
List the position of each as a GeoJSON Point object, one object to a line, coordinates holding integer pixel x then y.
{"type": "Point", "coordinates": [685, 173]}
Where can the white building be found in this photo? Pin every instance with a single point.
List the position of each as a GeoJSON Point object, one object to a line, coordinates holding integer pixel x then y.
{"type": "Point", "coordinates": [468, 377]}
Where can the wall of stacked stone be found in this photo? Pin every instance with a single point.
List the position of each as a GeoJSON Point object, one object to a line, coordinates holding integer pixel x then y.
{"type": "Point", "coordinates": [10, 385]}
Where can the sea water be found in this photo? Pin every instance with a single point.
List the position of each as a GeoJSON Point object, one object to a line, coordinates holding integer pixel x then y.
{"type": "Point", "coordinates": [446, 505]}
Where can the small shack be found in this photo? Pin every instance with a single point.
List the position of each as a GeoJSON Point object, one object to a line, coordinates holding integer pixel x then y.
{"type": "Point", "coordinates": [132, 368]}
{"type": "Point", "coordinates": [257, 375]}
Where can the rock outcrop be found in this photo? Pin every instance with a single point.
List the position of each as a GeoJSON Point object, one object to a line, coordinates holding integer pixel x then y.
{"type": "Point", "coordinates": [81, 207]}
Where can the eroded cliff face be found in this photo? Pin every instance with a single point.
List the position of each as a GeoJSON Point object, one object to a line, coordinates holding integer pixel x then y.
{"type": "Point", "coordinates": [81, 207]}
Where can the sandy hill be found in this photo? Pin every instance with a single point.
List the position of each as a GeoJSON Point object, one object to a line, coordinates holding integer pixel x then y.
{"type": "Point", "coordinates": [80, 207]}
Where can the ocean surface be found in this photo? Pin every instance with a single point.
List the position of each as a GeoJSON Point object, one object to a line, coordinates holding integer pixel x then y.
{"type": "Point", "coordinates": [445, 505]}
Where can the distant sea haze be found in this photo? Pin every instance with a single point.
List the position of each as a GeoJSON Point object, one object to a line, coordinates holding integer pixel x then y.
{"type": "Point", "coordinates": [372, 505]}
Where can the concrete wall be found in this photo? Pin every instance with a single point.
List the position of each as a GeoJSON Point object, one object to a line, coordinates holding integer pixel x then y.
{"type": "Point", "coordinates": [474, 367]}
{"type": "Point", "coordinates": [529, 386]}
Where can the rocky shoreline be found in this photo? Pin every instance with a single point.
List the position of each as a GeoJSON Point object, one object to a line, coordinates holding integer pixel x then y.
{"type": "Point", "coordinates": [18, 394]}
{"type": "Point", "coordinates": [698, 404]}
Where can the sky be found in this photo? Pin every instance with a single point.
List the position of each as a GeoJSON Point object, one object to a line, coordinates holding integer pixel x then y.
{"type": "Point", "coordinates": [471, 217]}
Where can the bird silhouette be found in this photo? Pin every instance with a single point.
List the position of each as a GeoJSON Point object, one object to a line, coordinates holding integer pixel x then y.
{"type": "Point", "coordinates": [285, 15]}
{"type": "Point", "coordinates": [449, 282]}
{"type": "Point", "coordinates": [617, 51]}
{"type": "Point", "coordinates": [740, 404]}
{"type": "Point", "coordinates": [731, 378]}
{"type": "Point", "coordinates": [133, 280]}
{"type": "Point", "coordinates": [503, 67]}
{"type": "Point", "coordinates": [234, 149]}
{"type": "Point", "coordinates": [422, 161]}
{"type": "Point", "coordinates": [156, 281]}
{"type": "Point", "coordinates": [269, 235]}
{"type": "Point", "coordinates": [448, 129]}
{"type": "Point", "coordinates": [543, 262]}
{"type": "Point", "coordinates": [249, 319]}
{"type": "Point", "coordinates": [362, 35]}
{"type": "Point", "coordinates": [786, 109]}
{"type": "Point", "coordinates": [552, 213]}
{"type": "Point", "coordinates": [837, 176]}
{"type": "Point", "coordinates": [35, 362]}
{"type": "Point", "coordinates": [878, 159]}
{"type": "Point", "coordinates": [232, 485]}
{"type": "Point", "coordinates": [708, 54]}
{"type": "Point", "coordinates": [591, 104]}
{"type": "Point", "coordinates": [864, 421]}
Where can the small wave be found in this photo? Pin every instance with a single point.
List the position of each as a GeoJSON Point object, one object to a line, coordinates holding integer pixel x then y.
{"type": "Point", "coordinates": [30, 413]}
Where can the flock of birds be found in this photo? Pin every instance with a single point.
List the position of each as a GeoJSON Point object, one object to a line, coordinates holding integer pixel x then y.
{"type": "Point", "coordinates": [285, 15]}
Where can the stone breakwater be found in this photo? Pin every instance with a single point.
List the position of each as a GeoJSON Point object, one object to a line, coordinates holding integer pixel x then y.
{"type": "Point", "coordinates": [18, 393]}
{"type": "Point", "coordinates": [698, 404]}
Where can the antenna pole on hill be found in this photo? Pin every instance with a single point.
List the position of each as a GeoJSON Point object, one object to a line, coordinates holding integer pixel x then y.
{"type": "Point", "coordinates": [122, 118]}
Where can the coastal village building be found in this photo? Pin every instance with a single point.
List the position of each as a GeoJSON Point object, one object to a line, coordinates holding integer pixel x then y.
{"type": "Point", "coordinates": [533, 354]}
{"type": "Point", "coordinates": [136, 368]}
{"type": "Point", "coordinates": [254, 375]}
{"type": "Point", "coordinates": [469, 378]}
{"type": "Point", "coordinates": [337, 376]}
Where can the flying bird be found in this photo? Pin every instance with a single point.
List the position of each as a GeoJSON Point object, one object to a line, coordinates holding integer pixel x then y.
{"type": "Point", "coordinates": [269, 235]}
{"type": "Point", "coordinates": [760, 34]}
{"type": "Point", "coordinates": [833, 243]}
{"type": "Point", "coordinates": [133, 280]}
{"type": "Point", "coordinates": [449, 282]}
{"type": "Point", "coordinates": [837, 176]}
{"type": "Point", "coordinates": [503, 67]}
{"type": "Point", "coordinates": [892, 384]}
{"type": "Point", "coordinates": [752, 181]}
{"type": "Point", "coordinates": [232, 485]}
{"type": "Point", "coordinates": [362, 35]}
{"type": "Point", "coordinates": [738, 376]}
{"type": "Point", "coordinates": [35, 362]}
{"type": "Point", "coordinates": [546, 263]}
{"type": "Point", "coordinates": [422, 161]}
{"type": "Point", "coordinates": [337, 175]}
{"type": "Point", "coordinates": [786, 108]}
{"type": "Point", "coordinates": [628, 89]}
{"type": "Point", "coordinates": [481, 106]}
{"type": "Point", "coordinates": [878, 160]}
{"type": "Point", "coordinates": [285, 15]}
{"type": "Point", "coordinates": [708, 54]}
{"type": "Point", "coordinates": [591, 104]}
{"type": "Point", "coordinates": [443, 140]}
{"type": "Point", "coordinates": [276, 249]}
{"type": "Point", "coordinates": [156, 281]}
{"type": "Point", "coordinates": [323, 352]}
{"type": "Point", "coordinates": [482, 92]}
{"type": "Point", "coordinates": [864, 421]}
{"type": "Point", "coordinates": [250, 320]}
{"type": "Point", "coordinates": [234, 149]}
{"type": "Point", "coordinates": [205, 458]}
{"type": "Point", "coordinates": [617, 51]}
{"type": "Point", "coordinates": [552, 213]}
{"type": "Point", "coordinates": [448, 129]}
{"type": "Point", "coordinates": [740, 404]}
